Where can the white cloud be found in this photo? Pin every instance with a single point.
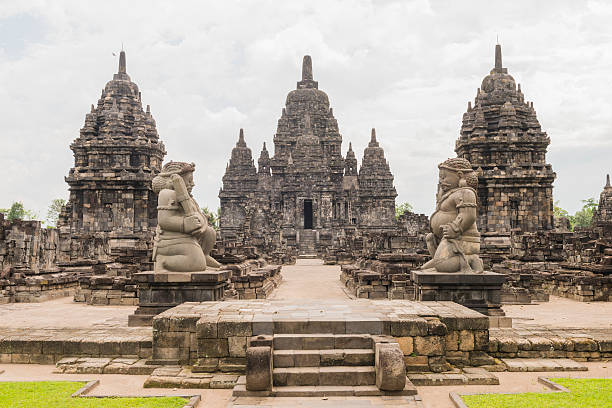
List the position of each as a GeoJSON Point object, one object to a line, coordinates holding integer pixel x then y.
{"type": "Point", "coordinates": [209, 68]}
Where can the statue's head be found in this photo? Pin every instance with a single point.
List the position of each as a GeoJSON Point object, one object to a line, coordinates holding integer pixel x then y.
{"type": "Point", "coordinates": [457, 172]}
{"type": "Point", "coordinates": [164, 181]}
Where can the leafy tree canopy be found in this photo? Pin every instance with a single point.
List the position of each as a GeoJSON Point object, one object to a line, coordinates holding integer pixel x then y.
{"type": "Point", "coordinates": [54, 210]}
{"type": "Point", "coordinates": [402, 208]}
{"type": "Point", "coordinates": [213, 216]}
{"type": "Point", "coordinates": [18, 212]}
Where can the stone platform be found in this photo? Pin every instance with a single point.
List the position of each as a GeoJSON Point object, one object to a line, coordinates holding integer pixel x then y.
{"type": "Point", "coordinates": [213, 336]}
{"type": "Point", "coordinates": [478, 291]}
{"type": "Point", "coordinates": [159, 291]}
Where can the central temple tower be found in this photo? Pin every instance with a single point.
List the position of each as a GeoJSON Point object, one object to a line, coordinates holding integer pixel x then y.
{"type": "Point", "coordinates": [307, 192]}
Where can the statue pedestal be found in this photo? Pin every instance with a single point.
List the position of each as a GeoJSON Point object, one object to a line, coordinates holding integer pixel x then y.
{"type": "Point", "coordinates": [480, 292]}
{"type": "Point", "coordinates": [158, 292]}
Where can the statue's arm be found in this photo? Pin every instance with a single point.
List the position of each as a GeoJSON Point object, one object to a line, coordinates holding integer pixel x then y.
{"type": "Point", "coordinates": [169, 219]}
{"type": "Point", "coordinates": [465, 202]}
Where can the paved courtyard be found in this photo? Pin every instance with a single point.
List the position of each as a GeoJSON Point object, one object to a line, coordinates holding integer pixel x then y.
{"type": "Point", "coordinates": [309, 284]}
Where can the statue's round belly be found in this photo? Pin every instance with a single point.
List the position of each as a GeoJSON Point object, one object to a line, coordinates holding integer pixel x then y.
{"type": "Point", "coordinates": [441, 218]}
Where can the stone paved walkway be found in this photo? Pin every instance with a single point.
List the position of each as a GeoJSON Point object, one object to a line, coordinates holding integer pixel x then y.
{"type": "Point", "coordinates": [335, 402]}
{"type": "Point", "coordinates": [310, 279]}
{"type": "Point", "coordinates": [63, 313]}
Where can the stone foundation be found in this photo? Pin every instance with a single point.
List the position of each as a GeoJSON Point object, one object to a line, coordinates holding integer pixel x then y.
{"type": "Point", "coordinates": [38, 288]}
{"type": "Point", "coordinates": [106, 290]}
{"type": "Point", "coordinates": [577, 344]}
{"type": "Point", "coordinates": [258, 284]}
{"type": "Point", "coordinates": [213, 336]}
{"type": "Point", "coordinates": [387, 277]}
{"type": "Point", "coordinates": [159, 291]}
{"type": "Point", "coordinates": [478, 291]}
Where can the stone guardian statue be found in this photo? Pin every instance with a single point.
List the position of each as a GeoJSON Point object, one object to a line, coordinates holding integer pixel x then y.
{"type": "Point", "coordinates": [454, 241]}
{"type": "Point", "coordinates": [183, 239]}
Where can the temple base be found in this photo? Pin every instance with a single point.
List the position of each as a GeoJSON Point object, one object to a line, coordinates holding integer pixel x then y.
{"type": "Point", "coordinates": [480, 292]}
{"type": "Point", "coordinates": [158, 292]}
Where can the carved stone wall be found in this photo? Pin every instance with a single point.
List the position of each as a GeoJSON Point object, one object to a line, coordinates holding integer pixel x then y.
{"type": "Point", "coordinates": [111, 213]}
{"type": "Point", "coordinates": [307, 194]}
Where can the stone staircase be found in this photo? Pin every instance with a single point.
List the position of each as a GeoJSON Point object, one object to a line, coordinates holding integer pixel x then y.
{"type": "Point", "coordinates": [321, 365]}
{"type": "Point", "coordinates": [307, 244]}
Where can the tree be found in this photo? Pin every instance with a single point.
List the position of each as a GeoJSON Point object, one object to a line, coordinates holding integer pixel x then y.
{"type": "Point", "coordinates": [55, 208]}
{"type": "Point", "coordinates": [402, 208]}
{"type": "Point", "coordinates": [213, 217]}
{"type": "Point", "coordinates": [584, 217]}
{"type": "Point", "coordinates": [559, 212]}
{"type": "Point", "coordinates": [18, 212]}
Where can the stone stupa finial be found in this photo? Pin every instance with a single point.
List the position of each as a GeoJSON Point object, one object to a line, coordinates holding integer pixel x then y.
{"type": "Point", "coordinates": [608, 181]}
{"type": "Point", "coordinates": [498, 58]}
{"type": "Point", "coordinates": [307, 81]}
{"type": "Point", "coordinates": [307, 68]}
{"type": "Point", "coordinates": [122, 66]}
{"type": "Point", "coordinates": [241, 141]}
{"type": "Point", "coordinates": [373, 141]}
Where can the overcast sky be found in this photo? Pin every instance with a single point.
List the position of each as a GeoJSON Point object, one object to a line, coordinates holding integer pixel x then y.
{"type": "Point", "coordinates": [407, 68]}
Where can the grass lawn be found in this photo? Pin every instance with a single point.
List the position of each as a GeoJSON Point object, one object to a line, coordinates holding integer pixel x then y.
{"type": "Point", "coordinates": [585, 393]}
{"type": "Point", "coordinates": [54, 394]}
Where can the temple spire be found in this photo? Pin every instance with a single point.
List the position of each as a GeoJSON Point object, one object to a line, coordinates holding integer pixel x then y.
{"type": "Point", "coordinates": [241, 141]}
{"type": "Point", "coordinates": [122, 69]}
{"type": "Point", "coordinates": [307, 68]}
{"type": "Point", "coordinates": [498, 58]}
{"type": "Point", "coordinates": [373, 136]}
{"type": "Point", "coordinates": [608, 181]}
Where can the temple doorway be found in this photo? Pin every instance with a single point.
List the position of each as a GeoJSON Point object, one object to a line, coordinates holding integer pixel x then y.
{"type": "Point", "coordinates": [307, 214]}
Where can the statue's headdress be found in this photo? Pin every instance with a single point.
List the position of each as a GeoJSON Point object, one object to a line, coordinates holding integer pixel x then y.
{"type": "Point", "coordinates": [162, 180]}
{"type": "Point", "coordinates": [458, 164]}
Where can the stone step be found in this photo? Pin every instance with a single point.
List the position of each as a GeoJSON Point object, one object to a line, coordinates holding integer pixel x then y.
{"type": "Point", "coordinates": [543, 364]}
{"type": "Point", "coordinates": [331, 376]}
{"type": "Point", "coordinates": [323, 358]}
{"type": "Point", "coordinates": [321, 341]}
{"type": "Point", "coordinates": [322, 391]}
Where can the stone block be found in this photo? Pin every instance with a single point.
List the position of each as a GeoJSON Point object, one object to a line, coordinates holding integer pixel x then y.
{"type": "Point", "coordinates": [429, 346]}
{"type": "Point", "coordinates": [213, 348]}
{"type": "Point", "coordinates": [406, 344]}
{"type": "Point", "coordinates": [390, 368]}
{"type": "Point", "coordinates": [259, 369]}
{"type": "Point", "coordinates": [237, 346]}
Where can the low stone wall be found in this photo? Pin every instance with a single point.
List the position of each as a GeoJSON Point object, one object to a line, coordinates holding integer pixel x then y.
{"type": "Point", "coordinates": [48, 346]}
{"type": "Point", "coordinates": [583, 286]}
{"type": "Point", "coordinates": [387, 277]}
{"type": "Point", "coordinates": [537, 280]}
{"type": "Point", "coordinates": [259, 283]}
{"type": "Point", "coordinates": [213, 336]}
{"type": "Point", "coordinates": [37, 288]}
{"type": "Point", "coordinates": [107, 290]}
{"type": "Point", "coordinates": [579, 345]}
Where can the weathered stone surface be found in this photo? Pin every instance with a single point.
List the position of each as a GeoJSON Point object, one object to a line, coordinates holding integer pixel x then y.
{"type": "Point", "coordinates": [390, 368]}
{"type": "Point", "coordinates": [259, 368]}
{"type": "Point", "coordinates": [308, 193]}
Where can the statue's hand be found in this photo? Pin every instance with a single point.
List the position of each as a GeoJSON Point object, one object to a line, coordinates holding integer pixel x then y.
{"type": "Point", "coordinates": [448, 232]}
{"type": "Point", "coordinates": [175, 178]}
{"type": "Point", "coordinates": [192, 224]}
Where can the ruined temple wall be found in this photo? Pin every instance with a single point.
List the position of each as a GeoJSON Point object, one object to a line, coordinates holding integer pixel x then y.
{"type": "Point", "coordinates": [26, 246]}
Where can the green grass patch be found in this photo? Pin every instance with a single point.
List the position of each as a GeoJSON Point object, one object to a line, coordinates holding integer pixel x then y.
{"type": "Point", "coordinates": [54, 394]}
{"type": "Point", "coordinates": [584, 393]}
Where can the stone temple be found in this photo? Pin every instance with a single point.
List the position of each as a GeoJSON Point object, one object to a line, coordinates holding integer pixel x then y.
{"type": "Point", "coordinates": [502, 138]}
{"type": "Point", "coordinates": [307, 194]}
{"type": "Point", "coordinates": [111, 213]}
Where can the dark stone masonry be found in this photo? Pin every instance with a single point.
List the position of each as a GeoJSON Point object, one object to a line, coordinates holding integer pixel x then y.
{"type": "Point", "coordinates": [307, 195]}
{"type": "Point", "coordinates": [111, 215]}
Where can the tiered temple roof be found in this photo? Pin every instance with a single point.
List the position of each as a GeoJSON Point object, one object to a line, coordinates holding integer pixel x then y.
{"type": "Point", "coordinates": [116, 156]}
{"type": "Point", "coordinates": [502, 138]}
{"type": "Point", "coordinates": [603, 215]}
